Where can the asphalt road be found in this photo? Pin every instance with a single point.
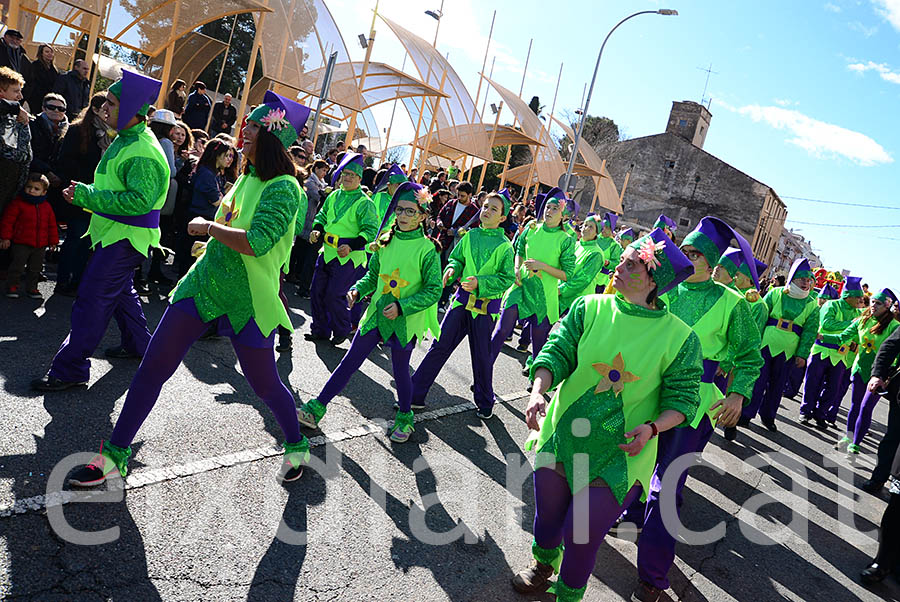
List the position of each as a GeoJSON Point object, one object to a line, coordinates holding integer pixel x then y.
{"type": "Point", "coordinates": [446, 516]}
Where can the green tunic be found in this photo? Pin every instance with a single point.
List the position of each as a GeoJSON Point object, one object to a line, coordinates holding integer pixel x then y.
{"type": "Point", "coordinates": [869, 344]}
{"type": "Point", "coordinates": [381, 200]}
{"type": "Point", "coordinates": [131, 179]}
{"type": "Point", "coordinates": [617, 365]}
{"type": "Point", "coordinates": [538, 295]}
{"type": "Point", "coordinates": [488, 255]}
{"type": "Point", "coordinates": [612, 252]}
{"type": "Point", "coordinates": [835, 317]}
{"type": "Point", "coordinates": [721, 319]}
{"type": "Point", "coordinates": [408, 271]}
{"type": "Point", "coordinates": [224, 282]}
{"type": "Point", "coordinates": [789, 311]}
{"type": "Point", "coordinates": [759, 311]}
{"type": "Point", "coordinates": [589, 260]}
{"type": "Point", "coordinates": [346, 214]}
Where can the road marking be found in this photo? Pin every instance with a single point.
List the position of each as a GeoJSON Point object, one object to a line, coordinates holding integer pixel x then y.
{"type": "Point", "coordinates": [152, 476]}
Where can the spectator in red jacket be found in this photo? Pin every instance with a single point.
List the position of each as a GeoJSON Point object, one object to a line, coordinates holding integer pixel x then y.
{"type": "Point", "coordinates": [29, 226]}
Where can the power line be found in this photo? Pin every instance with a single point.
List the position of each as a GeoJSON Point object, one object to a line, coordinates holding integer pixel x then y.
{"type": "Point", "coordinates": [793, 221]}
{"type": "Point", "coordinates": [800, 198]}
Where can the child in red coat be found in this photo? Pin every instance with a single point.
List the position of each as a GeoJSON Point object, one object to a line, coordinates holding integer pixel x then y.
{"type": "Point", "coordinates": [29, 226]}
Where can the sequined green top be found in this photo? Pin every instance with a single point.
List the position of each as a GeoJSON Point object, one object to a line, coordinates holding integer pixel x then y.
{"type": "Point", "coordinates": [406, 271]}
{"type": "Point", "coordinates": [348, 214]}
{"type": "Point", "coordinates": [834, 317]}
{"type": "Point", "coordinates": [589, 260]}
{"type": "Point", "coordinates": [860, 333]}
{"type": "Point", "coordinates": [491, 262]}
{"type": "Point", "coordinates": [615, 365]}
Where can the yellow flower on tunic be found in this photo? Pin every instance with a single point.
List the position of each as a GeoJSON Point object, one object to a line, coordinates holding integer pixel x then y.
{"type": "Point", "coordinates": [228, 214]}
{"type": "Point", "coordinates": [613, 377]}
{"type": "Point", "coordinates": [393, 283]}
{"type": "Point", "coordinates": [868, 345]}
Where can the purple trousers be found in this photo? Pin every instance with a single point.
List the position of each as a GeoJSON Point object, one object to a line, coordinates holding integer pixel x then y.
{"type": "Point", "coordinates": [180, 326]}
{"type": "Point", "coordinates": [823, 381]}
{"type": "Point", "coordinates": [794, 380]}
{"type": "Point", "coordinates": [862, 405]}
{"type": "Point", "coordinates": [106, 291]}
{"type": "Point", "coordinates": [835, 404]}
{"type": "Point", "coordinates": [767, 391]}
{"type": "Point", "coordinates": [458, 323]}
{"type": "Point", "coordinates": [360, 349]}
{"type": "Point", "coordinates": [508, 318]}
{"type": "Point", "coordinates": [656, 547]}
{"type": "Point", "coordinates": [559, 517]}
{"type": "Point", "coordinates": [328, 296]}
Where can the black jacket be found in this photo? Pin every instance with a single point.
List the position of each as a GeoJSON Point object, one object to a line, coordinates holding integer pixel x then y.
{"type": "Point", "coordinates": [41, 80]}
{"type": "Point", "coordinates": [45, 144]}
{"type": "Point", "coordinates": [15, 59]}
{"type": "Point", "coordinates": [883, 367]}
{"type": "Point", "coordinates": [221, 113]}
{"type": "Point", "coordinates": [75, 90]}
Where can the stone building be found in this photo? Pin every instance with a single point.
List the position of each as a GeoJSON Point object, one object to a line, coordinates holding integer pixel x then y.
{"type": "Point", "coordinates": [670, 173]}
{"type": "Point", "coordinates": [792, 245]}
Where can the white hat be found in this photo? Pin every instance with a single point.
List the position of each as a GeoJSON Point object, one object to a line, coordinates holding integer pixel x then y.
{"type": "Point", "coordinates": [164, 116]}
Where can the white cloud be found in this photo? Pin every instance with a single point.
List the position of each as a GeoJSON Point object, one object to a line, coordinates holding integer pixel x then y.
{"type": "Point", "coordinates": [885, 72]}
{"type": "Point", "coordinates": [785, 102]}
{"type": "Point", "coordinates": [832, 8]}
{"type": "Point", "coordinates": [889, 10]}
{"type": "Point", "coordinates": [818, 138]}
{"type": "Point", "coordinates": [867, 32]}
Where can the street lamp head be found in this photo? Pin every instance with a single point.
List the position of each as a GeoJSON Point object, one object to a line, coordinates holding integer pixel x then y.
{"type": "Point", "coordinates": [671, 12]}
{"type": "Point", "coordinates": [434, 14]}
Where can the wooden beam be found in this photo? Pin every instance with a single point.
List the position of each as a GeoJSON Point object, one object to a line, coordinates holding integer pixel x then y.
{"type": "Point", "coordinates": [484, 166]}
{"type": "Point", "coordinates": [254, 52]}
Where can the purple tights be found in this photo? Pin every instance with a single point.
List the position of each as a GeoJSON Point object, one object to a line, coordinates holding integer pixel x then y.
{"type": "Point", "coordinates": [863, 403]}
{"type": "Point", "coordinates": [508, 318]}
{"type": "Point", "coordinates": [179, 328]}
{"type": "Point", "coordinates": [560, 516]}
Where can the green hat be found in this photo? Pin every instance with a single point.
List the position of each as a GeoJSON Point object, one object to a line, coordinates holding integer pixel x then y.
{"type": "Point", "coordinates": [280, 116]}
{"type": "Point", "coordinates": [667, 265]}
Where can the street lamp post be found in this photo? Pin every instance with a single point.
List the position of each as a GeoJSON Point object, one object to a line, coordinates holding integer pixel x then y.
{"type": "Point", "coordinates": [584, 109]}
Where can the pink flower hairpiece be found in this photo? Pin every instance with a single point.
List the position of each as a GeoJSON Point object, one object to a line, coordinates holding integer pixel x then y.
{"type": "Point", "coordinates": [275, 120]}
{"type": "Point", "coordinates": [423, 198]}
{"type": "Point", "coordinates": [647, 253]}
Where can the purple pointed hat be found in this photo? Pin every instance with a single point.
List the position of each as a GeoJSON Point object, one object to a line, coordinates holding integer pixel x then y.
{"type": "Point", "coordinates": [760, 268]}
{"type": "Point", "coordinates": [626, 233]}
{"type": "Point", "coordinates": [136, 92]}
{"type": "Point", "coordinates": [731, 260]}
{"type": "Point", "coordinates": [610, 220]}
{"type": "Point", "coordinates": [663, 221]}
{"type": "Point", "coordinates": [800, 269]}
{"type": "Point", "coordinates": [671, 266]}
{"type": "Point", "coordinates": [353, 162]}
{"type": "Point", "coordinates": [828, 292]}
{"type": "Point", "coordinates": [281, 116]}
{"type": "Point", "coordinates": [712, 237]}
{"type": "Point", "coordinates": [569, 206]}
{"type": "Point", "coordinates": [852, 287]}
{"type": "Point", "coordinates": [394, 175]}
{"type": "Point", "coordinates": [507, 200]}
{"type": "Point", "coordinates": [885, 295]}
{"type": "Point", "coordinates": [406, 191]}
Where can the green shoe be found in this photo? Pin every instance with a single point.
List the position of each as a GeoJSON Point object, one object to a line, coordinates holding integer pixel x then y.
{"type": "Point", "coordinates": [403, 427]}
{"type": "Point", "coordinates": [311, 413]}
{"type": "Point", "coordinates": [852, 450]}
{"type": "Point", "coordinates": [843, 443]}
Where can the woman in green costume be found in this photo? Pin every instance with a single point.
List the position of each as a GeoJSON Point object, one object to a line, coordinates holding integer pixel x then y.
{"type": "Point", "coordinates": [233, 286]}
{"type": "Point", "coordinates": [545, 255]}
{"type": "Point", "coordinates": [638, 376]}
{"type": "Point", "coordinates": [404, 279]}
{"type": "Point", "coordinates": [589, 260]}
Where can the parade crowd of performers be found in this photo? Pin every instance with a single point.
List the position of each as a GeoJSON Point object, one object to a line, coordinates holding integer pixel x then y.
{"type": "Point", "coordinates": [641, 344]}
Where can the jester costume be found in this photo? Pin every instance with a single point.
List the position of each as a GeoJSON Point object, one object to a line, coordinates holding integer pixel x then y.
{"type": "Point", "coordinates": [130, 186]}
{"type": "Point", "coordinates": [612, 250]}
{"type": "Point", "coordinates": [405, 270]}
{"type": "Point", "coordinates": [829, 362]}
{"type": "Point", "coordinates": [347, 217]}
{"type": "Point", "coordinates": [236, 293]}
{"type": "Point", "coordinates": [863, 401]}
{"type": "Point", "coordinates": [795, 373]}
{"type": "Point", "coordinates": [487, 255]}
{"type": "Point", "coordinates": [536, 299]}
{"type": "Point", "coordinates": [615, 365]}
{"type": "Point", "coordinates": [589, 263]}
{"type": "Point", "coordinates": [720, 317]}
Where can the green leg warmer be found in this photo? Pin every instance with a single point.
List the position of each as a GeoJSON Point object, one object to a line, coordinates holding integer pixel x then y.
{"type": "Point", "coordinates": [297, 453]}
{"type": "Point", "coordinates": [544, 556]}
{"type": "Point", "coordinates": [564, 593]}
{"type": "Point", "coordinates": [315, 407]}
{"type": "Point", "coordinates": [117, 455]}
{"type": "Point", "coordinates": [404, 421]}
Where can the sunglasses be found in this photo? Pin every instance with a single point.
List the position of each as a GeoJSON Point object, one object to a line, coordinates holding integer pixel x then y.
{"type": "Point", "coordinates": [55, 108]}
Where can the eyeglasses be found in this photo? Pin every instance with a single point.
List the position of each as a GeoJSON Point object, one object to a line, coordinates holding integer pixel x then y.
{"type": "Point", "coordinates": [693, 255]}
{"type": "Point", "coordinates": [55, 108]}
{"type": "Point", "coordinates": [407, 211]}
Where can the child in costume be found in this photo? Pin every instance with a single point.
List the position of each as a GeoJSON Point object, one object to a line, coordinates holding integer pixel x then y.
{"type": "Point", "coordinates": [667, 224]}
{"type": "Point", "coordinates": [625, 369]}
{"type": "Point", "coordinates": [795, 374]}
{"type": "Point", "coordinates": [346, 223]}
{"type": "Point", "coordinates": [234, 286]}
{"type": "Point", "coordinates": [589, 261]}
{"type": "Point", "coordinates": [869, 331]}
{"type": "Point", "coordinates": [483, 263]}
{"type": "Point", "coordinates": [545, 255]}
{"type": "Point", "coordinates": [384, 191]}
{"type": "Point", "coordinates": [786, 339]}
{"type": "Point", "coordinates": [612, 251]}
{"type": "Point", "coordinates": [129, 190]}
{"type": "Point", "coordinates": [721, 319]}
{"type": "Point", "coordinates": [404, 279]}
{"type": "Point", "coordinates": [829, 361]}
{"type": "Point", "coordinates": [626, 237]}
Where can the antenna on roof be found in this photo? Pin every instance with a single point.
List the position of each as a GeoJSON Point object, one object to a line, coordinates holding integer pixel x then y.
{"type": "Point", "coordinates": [709, 72]}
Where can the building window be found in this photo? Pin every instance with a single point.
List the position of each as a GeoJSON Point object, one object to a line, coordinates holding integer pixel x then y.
{"type": "Point", "coordinates": [682, 122]}
{"type": "Point", "coordinates": [684, 222]}
{"type": "Point", "coordinates": [701, 130]}
{"type": "Point", "coordinates": [670, 164]}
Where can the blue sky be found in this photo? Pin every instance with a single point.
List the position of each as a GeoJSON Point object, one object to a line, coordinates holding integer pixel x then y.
{"type": "Point", "coordinates": [804, 98]}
